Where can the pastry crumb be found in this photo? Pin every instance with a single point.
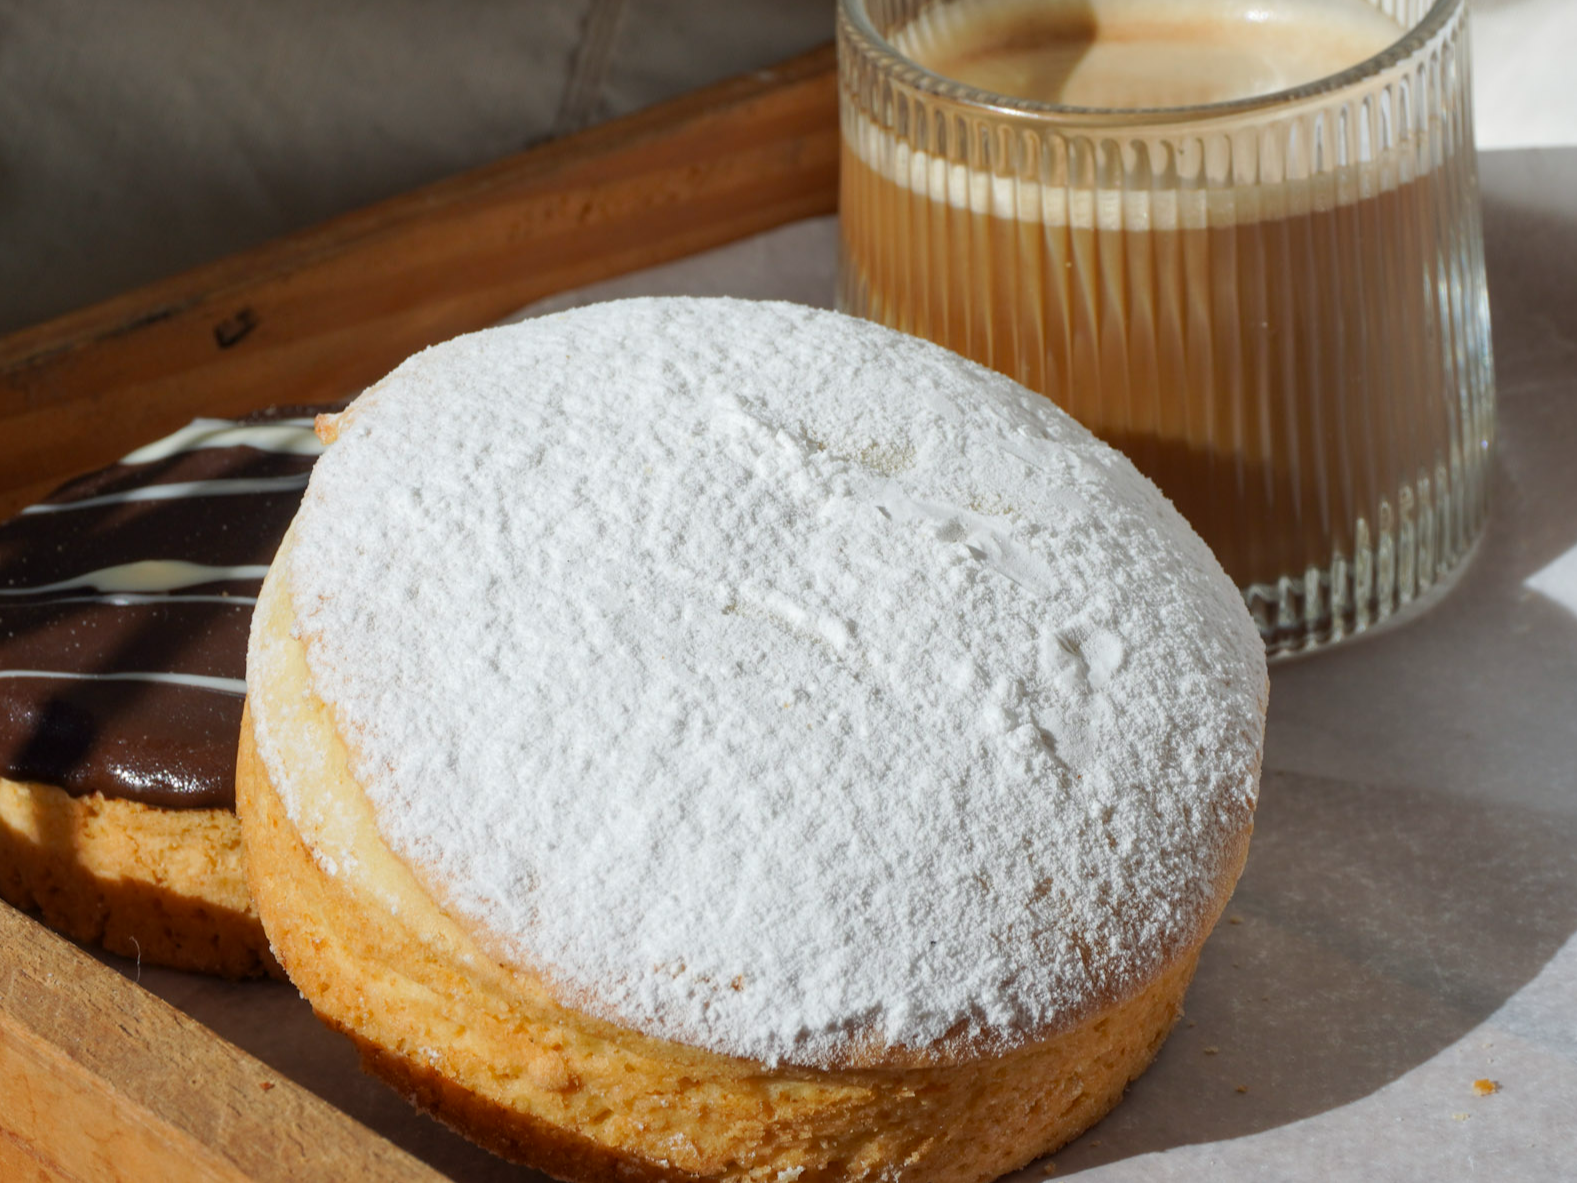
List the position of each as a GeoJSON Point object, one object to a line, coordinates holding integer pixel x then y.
{"type": "Point", "coordinates": [1242, 1088]}
{"type": "Point", "coordinates": [265, 1085]}
{"type": "Point", "coordinates": [1212, 1050]}
{"type": "Point", "coordinates": [1460, 1116]}
{"type": "Point", "coordinates": [326, 427]}
{"type": "Point", "coordinates": [1234, 920]}
{"type": "Point", "coordinates": [1484, 1087]}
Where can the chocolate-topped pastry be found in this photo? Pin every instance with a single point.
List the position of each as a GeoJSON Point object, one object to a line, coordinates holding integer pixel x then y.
{"type": "Point", "coordinates": [125, 599]}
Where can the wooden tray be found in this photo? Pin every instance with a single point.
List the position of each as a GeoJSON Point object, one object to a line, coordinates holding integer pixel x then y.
{"type": "Point", "coordinates": [100, 1080]}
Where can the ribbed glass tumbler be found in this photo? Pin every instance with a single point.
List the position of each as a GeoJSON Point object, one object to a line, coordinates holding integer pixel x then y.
{"type": "Point", "coordinates": [1276, 306]}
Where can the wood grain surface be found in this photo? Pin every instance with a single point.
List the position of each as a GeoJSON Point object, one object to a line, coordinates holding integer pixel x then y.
{"type": "Point", "coordinates": [320, 314]}
{"type": "Point", "coordinates": [99, 1080]}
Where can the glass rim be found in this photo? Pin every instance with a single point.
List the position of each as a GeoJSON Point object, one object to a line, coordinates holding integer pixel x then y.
{"type": "Point", "coordinates": [891, 61]}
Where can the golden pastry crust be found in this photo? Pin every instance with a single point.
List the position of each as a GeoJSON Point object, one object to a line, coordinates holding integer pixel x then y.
{"type": "Point", "coordinates": [492, 1052]}
{"type": "Point", "coordinates": [166, 886]}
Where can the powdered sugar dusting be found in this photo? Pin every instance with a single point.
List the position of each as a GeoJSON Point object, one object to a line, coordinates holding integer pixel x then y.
{"type": "Point", "coordinates": [771, 681]}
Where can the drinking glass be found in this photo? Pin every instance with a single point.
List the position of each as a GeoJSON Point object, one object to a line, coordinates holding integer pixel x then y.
{"type": "Point", "coordinates": [1275, 305]}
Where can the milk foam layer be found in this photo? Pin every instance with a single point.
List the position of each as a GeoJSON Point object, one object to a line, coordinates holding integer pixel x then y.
{"type": "Point", "coordinates": [1373, 151]}
{"type": "Point", "coordinates": [1192, 207]}
{"type": "Point", "coordinates": [1130, 54]}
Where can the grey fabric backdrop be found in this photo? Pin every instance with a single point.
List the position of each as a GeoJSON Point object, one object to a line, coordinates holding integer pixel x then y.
{"type": "Point", "coordinates": [138, 139]}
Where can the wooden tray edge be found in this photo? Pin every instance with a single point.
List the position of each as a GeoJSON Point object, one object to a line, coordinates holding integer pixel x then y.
{"type": "Point", "coordinates": [322, 313]}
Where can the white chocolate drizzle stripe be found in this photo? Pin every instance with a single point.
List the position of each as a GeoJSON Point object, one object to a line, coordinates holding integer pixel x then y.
{"type": "Point", "coordinates": [128, 600]}
{"type": "Point", "coordinates": [293, 437]}
{"type": "Point", "coordinates": [235, 686]}
{"type": "Point", "coordinates": [220, 487]}
{"type": "Point", "coordinates": [145, 575]}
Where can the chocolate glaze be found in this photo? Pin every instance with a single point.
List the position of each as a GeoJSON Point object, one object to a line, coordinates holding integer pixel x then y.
{"type": "Point", "coordinates": [158, 742]}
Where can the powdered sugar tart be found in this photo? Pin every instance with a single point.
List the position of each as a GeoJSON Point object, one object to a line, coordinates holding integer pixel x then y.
{"type": "Point", "coordinates": [698, 739]}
